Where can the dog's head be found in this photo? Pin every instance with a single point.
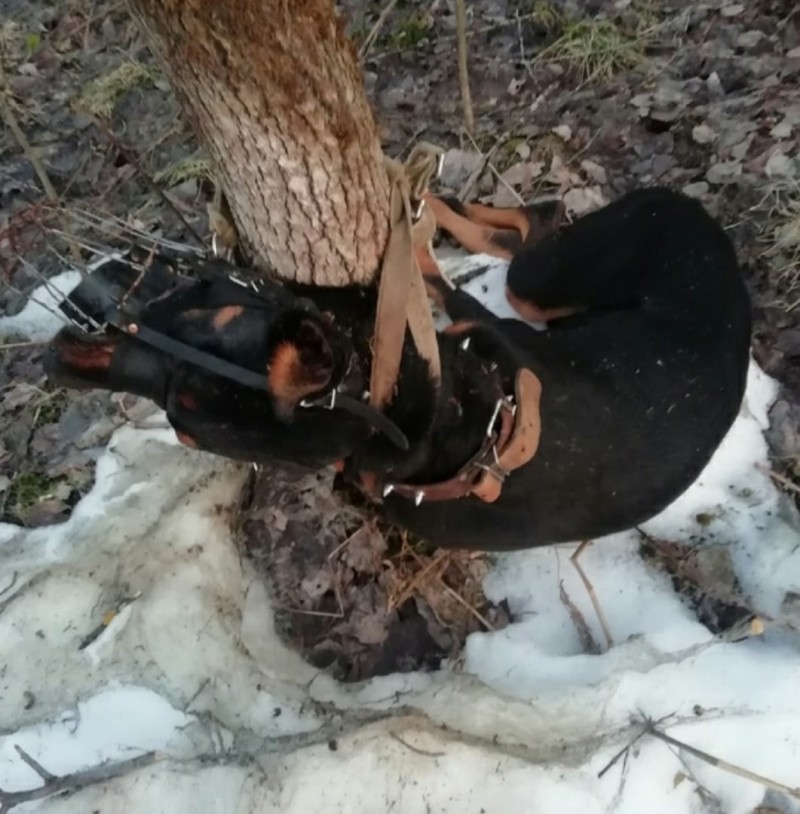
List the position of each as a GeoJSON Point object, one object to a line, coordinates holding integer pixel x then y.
{"type": "Point", "coordinates": [244, 370]}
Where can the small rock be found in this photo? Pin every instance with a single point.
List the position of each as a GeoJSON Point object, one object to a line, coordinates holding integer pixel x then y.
{"type": "Point", "coordinates": [733, 10]}
{"type": "Point", "coordinates": [699, 189]}
{"type": "Point", "coordinates": [28, 69]}
{"type": "Point", "coordinates": [794, 53]}
{"type": "Point", "coordinates": [703, 134]}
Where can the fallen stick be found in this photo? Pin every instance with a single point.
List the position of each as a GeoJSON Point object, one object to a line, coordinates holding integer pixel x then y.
{"type": "Point", "coordinates": [54, 784]}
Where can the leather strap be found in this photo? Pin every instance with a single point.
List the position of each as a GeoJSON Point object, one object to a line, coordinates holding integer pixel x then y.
{"type": "Point", "coordinates": [402, 298]}
{"type": "Point", "coordinates": [513, 445]}
{"type": "Point", "coordinates": [334, 400]}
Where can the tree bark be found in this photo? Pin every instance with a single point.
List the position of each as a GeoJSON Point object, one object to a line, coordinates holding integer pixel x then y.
{"type": "Point", "coordinates": [274, 92]}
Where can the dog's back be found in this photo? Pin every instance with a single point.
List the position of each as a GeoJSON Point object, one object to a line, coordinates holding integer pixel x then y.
{"type": "Point", "coordinates": [639, 390]}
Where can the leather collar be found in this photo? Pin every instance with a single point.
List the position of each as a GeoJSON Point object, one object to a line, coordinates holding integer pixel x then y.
{"type": "Point", "coordinates": [512, 439]}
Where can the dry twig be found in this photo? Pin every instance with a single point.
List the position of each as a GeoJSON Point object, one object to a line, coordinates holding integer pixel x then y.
{"type": "Point", "coordinates": [590, 590]}
{"type": "Point", "coordinates": [587, 640]}
{"type": "Point", "coordinates": [778, 478]}
{"type": "Point", "coordinates": [731, 768]}
{"type": "Point", "coordinates": [497, 174]}
{"type": "Point", "coordinates": [463, 67]}
{"type": "Point", "coordinates": [376, 29]}
{"type": "Point", "coordinates": [135, 163]}
{"type": "Point", "coordinates": [414, 749]}
{"type": "Point", "coordinates": [26, 147]}
{"type": "Point", "coordinates": [53, 784]}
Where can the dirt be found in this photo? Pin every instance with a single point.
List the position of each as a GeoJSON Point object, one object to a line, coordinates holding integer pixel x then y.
{"type": "Point", "coordinates": [581, 98]}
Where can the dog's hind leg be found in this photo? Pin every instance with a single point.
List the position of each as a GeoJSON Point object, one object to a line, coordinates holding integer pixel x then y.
{"type": "Point", "coordinates": [500, 232]}
{"type": "Point", "coordinates": [599, 261]}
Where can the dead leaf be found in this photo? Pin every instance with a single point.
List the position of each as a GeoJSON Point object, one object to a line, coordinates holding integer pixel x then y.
{"type": "Point", "coordinates": [316, 585]}
{"type": "Point", "coordinates": [523, 174]}
{"type": "Point", "coordinates": [703, 134]}
{"type": "Point", "coordinates": [780, 165]}
{"type": "Point", "coordinates": [781, 130]}
{"type": "Point", "coordinates": [365, 550]}
{"type": "Point", "coordinates": [697, 190]}
{"type": "Point", "coordinates": [19, 394]}
{"type": "Point", "coordinates": [458, 166]}
{"type": "Point", "coordinates": [724, 172]}
{"type": "Point", "coordinates": [370, 628]}
{"type": "Point", "coordinates": [583, 199]}
{"type": "Point", "coordinates": [595, 172]}
{"type": "Point", "coordinates": [733, 10]}
{"type": "Point", "coordinates": [563, 131]}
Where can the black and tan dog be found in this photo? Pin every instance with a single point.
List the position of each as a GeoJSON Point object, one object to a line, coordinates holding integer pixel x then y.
{"type": "Point", "coordinates": [642, 371]}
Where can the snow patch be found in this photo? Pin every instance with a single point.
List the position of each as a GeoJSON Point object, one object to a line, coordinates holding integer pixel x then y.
{"type": "Point", "coordinates": [192, 665]}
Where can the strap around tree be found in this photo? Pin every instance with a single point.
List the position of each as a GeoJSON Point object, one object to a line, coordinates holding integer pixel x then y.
{"type": "Point", "coordinates": [402, 299]}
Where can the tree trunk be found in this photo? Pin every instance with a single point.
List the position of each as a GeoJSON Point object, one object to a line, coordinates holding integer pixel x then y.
{"type": "Point", "coordinates": [274, 91]}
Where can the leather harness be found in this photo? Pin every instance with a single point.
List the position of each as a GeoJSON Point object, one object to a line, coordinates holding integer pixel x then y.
{"type": "Point", "coordinates": [505, 448]}
{"type": "Point", "coordinates": [513, 432]}
{"type": "Point", "coordinates": [403, 301]}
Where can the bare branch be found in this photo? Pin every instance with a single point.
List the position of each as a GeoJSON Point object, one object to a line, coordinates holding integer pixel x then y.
{"type": "Point", "coordinates": [69, 782]}
{"type": "Point", "coordinates": [376, 29]}
{"type": "Point", "coordinates": [463, 67]}
{"type": "Point", "coordinates": [590, 590]}
{"type": "Point", "coordinates": [731, 768]}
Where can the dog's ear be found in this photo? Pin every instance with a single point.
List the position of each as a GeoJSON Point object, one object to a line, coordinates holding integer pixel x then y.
{"type": "Point", "coordinates": [300, 363]}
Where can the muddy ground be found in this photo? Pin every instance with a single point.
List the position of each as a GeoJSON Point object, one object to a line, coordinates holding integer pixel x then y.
{"type": "Point", "coordinates": [581, 98]}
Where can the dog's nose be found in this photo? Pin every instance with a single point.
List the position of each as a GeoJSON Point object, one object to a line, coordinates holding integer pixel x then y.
{"type": "Point", "coordinates": [114, 363]}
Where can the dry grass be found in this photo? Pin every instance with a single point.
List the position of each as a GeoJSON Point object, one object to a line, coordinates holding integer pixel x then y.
{"type": "Point", "coordinates": [547, 16]}
{"type": "Point", "coordinates": [449, 582]}
{"type": "Point", "coordinates": [782, 238]}
{"type": "Point", "coordinates": [101, 96]}
{"type": "Point", "coordinates": [594, 50]}
{"type": "Point", "coordinates": [189, 169]}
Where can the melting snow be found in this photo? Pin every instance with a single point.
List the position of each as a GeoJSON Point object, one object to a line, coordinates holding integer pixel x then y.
{"type": "Point", "coordinates": [192, 666]}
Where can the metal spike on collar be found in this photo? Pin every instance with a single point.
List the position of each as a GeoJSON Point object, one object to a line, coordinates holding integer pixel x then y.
{"type": "Point", "coordinates": [419, 496]}
{"type": "Point", "coordinates": [388, 489]}
{"type": "Point", "coordinates": [465, 344]}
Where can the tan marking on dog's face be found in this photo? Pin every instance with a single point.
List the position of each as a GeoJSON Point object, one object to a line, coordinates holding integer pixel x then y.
{"type": "Point", "coordinates": [290, 379]}
{"type": "Point", "coordinates": [226, 315]}
{"type": "Point", "coordinates": [85, 354]}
